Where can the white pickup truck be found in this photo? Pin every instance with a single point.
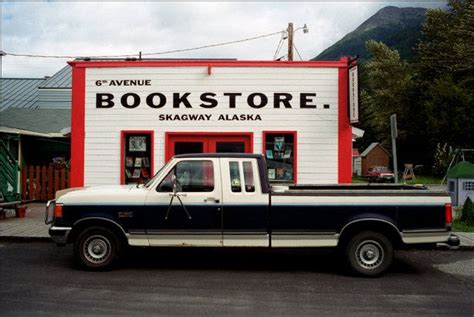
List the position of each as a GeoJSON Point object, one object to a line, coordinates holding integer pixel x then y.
{"type": "Point", "coordinates": [225, 200]}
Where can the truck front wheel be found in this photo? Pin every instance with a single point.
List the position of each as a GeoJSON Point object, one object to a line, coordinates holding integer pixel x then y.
{"type": "Point", "coordinates": [96, 248]}
{"type": "Point", "coordinates": [369, 253]}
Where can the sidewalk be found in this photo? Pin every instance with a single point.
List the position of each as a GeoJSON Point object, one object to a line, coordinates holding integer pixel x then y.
{"type": "Point", "coordinates": [33, 227]}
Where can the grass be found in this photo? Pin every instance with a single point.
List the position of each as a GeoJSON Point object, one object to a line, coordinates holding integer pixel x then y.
{"type": "Point", "coordinates": [462, 226]}
{"type": "Point", "coordinates": [458, 225]}
{"type": "Point", "coordinates": [431, 180]}
{"type": "Point", "coordinates": [358, 180]}
{"type": "Point", "coordinates": [425, 180]}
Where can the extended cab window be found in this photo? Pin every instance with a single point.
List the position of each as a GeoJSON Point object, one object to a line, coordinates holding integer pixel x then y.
{"type": "Point", "coordinates": [191, 176]}
{"type": "Point", "coordinates": [248, 177]}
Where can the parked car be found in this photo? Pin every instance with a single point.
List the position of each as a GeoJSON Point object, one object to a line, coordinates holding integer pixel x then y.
{"type": "Point", "coordinates": [225, 200]}
{"type": "Point", "coordinates": [380, 174]}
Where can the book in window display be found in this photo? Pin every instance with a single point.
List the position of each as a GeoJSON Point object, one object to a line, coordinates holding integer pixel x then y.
{"type": "Point", "coordinates": [145, 162]}
{"type": "Point", "coordinates": [129, 161]}
{"type": "Point", "coordinates": [137, 144]}
{"type": "Point", "coordinates": [279, 143]}
{"type": "Point", "coordinates": [145, 173]}
{"type": "Point", "coordinates": [269, 154]}
{"type": "Point", "coordinates": [271, 173]}
{"type": "Point", "coordinates": [138, 162]}
{"type": "Point", "coordinates": [136, 173]}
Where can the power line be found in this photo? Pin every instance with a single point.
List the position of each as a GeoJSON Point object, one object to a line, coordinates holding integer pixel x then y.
{"type": "Point", "coordinates": [147, 54]}
{"type": "Point", "coordinates": [298, 52]}
{"type": "Point", "coordinates": [279, 46]}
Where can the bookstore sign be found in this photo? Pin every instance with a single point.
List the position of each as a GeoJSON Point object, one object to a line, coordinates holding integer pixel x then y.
{"type": "Point", "coordinates": [353, 95]}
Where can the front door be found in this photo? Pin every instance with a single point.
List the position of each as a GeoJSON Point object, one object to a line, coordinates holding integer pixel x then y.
{"type": "Point", "coordinates": [183, 143]}
{"type": "Point", "coordinates": [192, 216]}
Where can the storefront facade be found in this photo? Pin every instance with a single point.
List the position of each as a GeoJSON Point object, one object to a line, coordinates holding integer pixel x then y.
{"type": "Point", "coordinates": [130, 117]}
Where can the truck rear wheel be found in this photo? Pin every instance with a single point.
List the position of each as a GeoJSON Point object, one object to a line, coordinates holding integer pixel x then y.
{"type": "Point", "coordinates": [97, 248]}
{"type": "Point", "coordinates": [369, 253]}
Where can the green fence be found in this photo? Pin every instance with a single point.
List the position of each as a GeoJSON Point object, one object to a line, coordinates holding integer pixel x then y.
{"type": "Point", "coordinates": [8, 174]}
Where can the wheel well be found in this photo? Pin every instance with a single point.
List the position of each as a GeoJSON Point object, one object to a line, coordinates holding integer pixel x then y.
{"type": "Point", "coordinates": [83, 224]}
{"type": "Point", "coordinates": [380, 226]}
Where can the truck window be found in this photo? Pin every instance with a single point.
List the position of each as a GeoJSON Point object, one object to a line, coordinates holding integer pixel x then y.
{"type": "Point", "coordinates": [235, 183]}
{"type": "Point", "coordinates": [248, 177]}
{"type": "Point", "coordinates": [191, 176]}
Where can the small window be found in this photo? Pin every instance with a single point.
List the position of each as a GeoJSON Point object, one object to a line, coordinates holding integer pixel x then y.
{"type": "Point", "coordinates": [191, 176]}
{"type": "Point", "coordinates": [235, 183]}
{"type": "Point", "coordinates": [451, 186]}
{"type": "Point", "coordinates": [468, 186]}
{"type": "Point", "coordinates": [248, 177]}
{"type": "Point", "coordinates": [280, 151]}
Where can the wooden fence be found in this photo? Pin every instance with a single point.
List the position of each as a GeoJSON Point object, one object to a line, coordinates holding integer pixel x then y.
{"type": "Point", "coordinates": [42, 182]}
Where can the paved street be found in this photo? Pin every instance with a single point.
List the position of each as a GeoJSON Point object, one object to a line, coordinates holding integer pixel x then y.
{"type": "Point", "coordinates": [40, 278]}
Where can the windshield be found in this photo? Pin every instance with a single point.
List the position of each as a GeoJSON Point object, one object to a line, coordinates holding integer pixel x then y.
{"type": "Point", "coordinates": [151, 180]}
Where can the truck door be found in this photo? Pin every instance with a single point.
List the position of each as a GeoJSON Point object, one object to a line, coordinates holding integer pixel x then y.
{"type": "Point", "coordinates": [245, 207]}
{"type": "Point", "coordinates": [191, 216]}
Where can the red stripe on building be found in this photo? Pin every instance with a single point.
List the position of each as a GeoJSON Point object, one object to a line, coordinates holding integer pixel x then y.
{"type": "Point", "coordinates": [344, 127]}
{"type": "Point", "coordinates": [78, 126]}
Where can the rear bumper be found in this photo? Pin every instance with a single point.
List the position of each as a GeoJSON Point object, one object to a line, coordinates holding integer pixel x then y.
{"type": "Point", "coordinates": [59, 234]}
{"type": "Point", "coordinates": [453, 240]}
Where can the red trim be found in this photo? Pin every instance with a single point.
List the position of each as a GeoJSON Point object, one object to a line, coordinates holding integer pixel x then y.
{"type": "Point", "coordinates": [209, 63]}
{"type": "Point", "coordinates": [122, 151]}
{"type": "Point", "coordinates": [78, 126]}
{"type": "Point", "coordinates": [344, 127]}
{"type": "Point", "coordinates": [295, 149]}
{"type": "Point", "coordinates": [208, 138]}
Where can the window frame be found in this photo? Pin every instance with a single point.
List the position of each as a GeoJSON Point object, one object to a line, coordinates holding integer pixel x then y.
{"type": "Point", "coordinates": [123, 134]}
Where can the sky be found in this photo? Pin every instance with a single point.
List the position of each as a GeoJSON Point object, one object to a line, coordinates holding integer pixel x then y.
{"type": "Point", "coordinates": [115, 28]}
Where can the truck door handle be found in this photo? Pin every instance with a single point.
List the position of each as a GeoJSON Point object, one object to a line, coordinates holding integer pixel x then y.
{"type": "Point", "coordinates": [209, 199]}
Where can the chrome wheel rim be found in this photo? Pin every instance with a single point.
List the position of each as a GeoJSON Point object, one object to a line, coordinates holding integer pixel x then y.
{"type": "Point", "coordinates": [369, 254]}
{"type": "Point", "coordinates": [97, 249]}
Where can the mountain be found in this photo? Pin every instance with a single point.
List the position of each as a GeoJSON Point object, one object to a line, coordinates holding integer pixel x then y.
{"type": "Point", "coordinates": [399, 28]}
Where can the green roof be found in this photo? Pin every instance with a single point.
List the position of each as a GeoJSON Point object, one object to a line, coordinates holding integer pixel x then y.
{"type": "Point", "coordinates": [36, 120]}
{"type": "Point", "coordinates": [463, 169]}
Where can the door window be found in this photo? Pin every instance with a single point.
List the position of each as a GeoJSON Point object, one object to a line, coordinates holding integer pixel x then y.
{"type": "Point", "coordinates": [235, 183]}
{"type": "Point", "coordinates": [188, 147]}
{"type": "Point", "coordinates": [191, 176]}
{"type": "Point", "coordinates": [230, 147]}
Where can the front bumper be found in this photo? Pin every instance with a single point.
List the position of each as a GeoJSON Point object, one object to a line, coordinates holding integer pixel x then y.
{"type": "Point", "coordinates": [59, 234]}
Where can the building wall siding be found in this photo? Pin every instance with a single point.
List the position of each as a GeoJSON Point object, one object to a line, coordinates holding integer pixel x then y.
{"type": "Point", "coordinates": [317, 129]}
{"type": "Point", "coordinates": [376, 157]}
{"type": "Point", "coordinates": [54, 98]}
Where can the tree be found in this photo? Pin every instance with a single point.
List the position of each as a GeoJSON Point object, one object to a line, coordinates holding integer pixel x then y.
{"type": "Point", "coordinates": [387, 81]}
{"type": "Point", "coordinates": [446, 74]}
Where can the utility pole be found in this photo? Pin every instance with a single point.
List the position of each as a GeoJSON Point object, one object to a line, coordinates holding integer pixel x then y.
{"type": "Point", "coordinates": [290, 41]}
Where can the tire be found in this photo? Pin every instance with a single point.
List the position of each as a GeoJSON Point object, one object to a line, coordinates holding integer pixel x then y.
{"type": "Point", "coordinates": [97, 248]}
{"type": "Point", "coordinates": [369, 253]}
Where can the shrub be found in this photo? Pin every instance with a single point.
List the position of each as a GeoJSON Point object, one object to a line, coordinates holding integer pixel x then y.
{"type": "Point", "coordinates": [467, 214]}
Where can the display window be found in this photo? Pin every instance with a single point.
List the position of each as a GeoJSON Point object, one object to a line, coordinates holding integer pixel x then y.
{"type": "Point", "coordinates": [279, 149]}
{"type": "Point", "coordinates": [137, 157]}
